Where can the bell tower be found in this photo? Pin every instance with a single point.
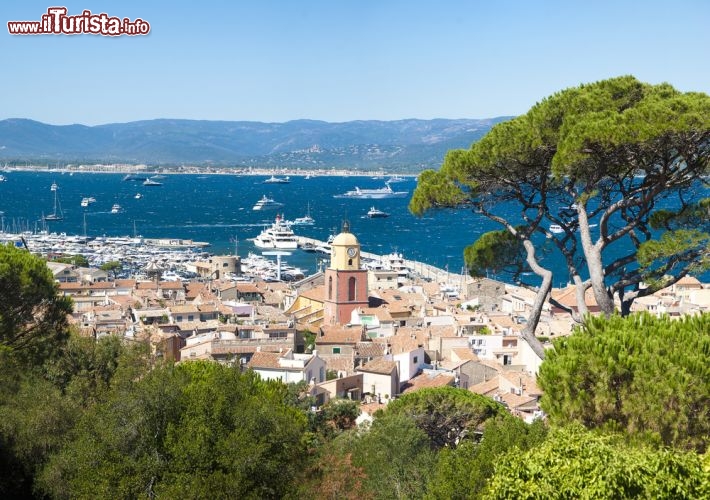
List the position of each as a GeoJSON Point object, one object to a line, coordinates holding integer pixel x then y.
{"type": "Point", "coordinates": [345, 282]}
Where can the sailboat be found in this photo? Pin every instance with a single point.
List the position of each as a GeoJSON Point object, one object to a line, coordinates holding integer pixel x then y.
{"type": "Point", "coordinates": [57, 214]}
{"type": "Point", "coordinates": [306, 219]}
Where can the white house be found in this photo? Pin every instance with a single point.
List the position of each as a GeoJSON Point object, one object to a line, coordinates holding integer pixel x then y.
{"type": "Point", "coordinates": [380, 379]}
{"type": "Point", "coordinates": [288, 367]}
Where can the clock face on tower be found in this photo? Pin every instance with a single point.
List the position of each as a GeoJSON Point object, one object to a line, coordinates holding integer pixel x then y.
{"type": "Point", "coordinates": [352, 252]}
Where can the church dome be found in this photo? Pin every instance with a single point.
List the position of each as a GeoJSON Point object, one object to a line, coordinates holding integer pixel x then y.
{"type": "Point", "coordinates": [345, 238]}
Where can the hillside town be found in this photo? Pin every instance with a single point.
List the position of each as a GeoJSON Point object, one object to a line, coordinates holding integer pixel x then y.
{"type": "Point", "coordinates": [366, 333]}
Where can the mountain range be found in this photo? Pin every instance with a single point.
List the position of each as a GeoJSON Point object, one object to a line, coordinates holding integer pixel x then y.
{"type": "Point", "coordinates": [402, 145]}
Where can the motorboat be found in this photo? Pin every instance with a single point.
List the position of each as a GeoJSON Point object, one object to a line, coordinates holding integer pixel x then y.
{"type": "Point", "coordinates": [377, 193]}
{"type": "Point", "coordinates": [266, 203]}
{"type": "Point", "coordinates": [277, 180]}
{"type": "Point", "coordinates": [138, 196]}
{"type": "Point", "coordinates": [375, 213]}
{"type": "Point", "coordinates": [152, 182]}
{"type": "Point", "coordinates": [116, 208]}
{"type": "Point", "coordinates": [3, 178]}
{"type": "Point", "coordinates": [556, 229]}
{"type": "Point", "coordinates": [85, 202]}
{"type": "Point", "coordinates": [279, 235]}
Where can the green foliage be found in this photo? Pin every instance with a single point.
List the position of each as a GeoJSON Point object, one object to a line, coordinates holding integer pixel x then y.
{"type": "Point", "coordinates": [647, 376]}
{"type": "Point", "coordinates": [197, 429]}
{"type": "Point", "coordinates": [585, 145]}
{"type": "Point", "coordinates": [654, 256]}
{"type": "Point", "coordinates": [341, 413]}
{"type": "Point", "coordinates": [463, 472]}
{"type": "Point", "coordinates": [33, 317]}
{"type": "Point", "coordinates": [494, 251]}
{"type": "Point", "coordinates": [395, 456]}
{"type": "Point", "coordinates": [575, 463]}
{"type": "Point", "coordinates": [112, 266]}
{"type": "Point", "coordinates": [75, 260]}
{"type": "Point", "coordinates": [447, 415]}
{"type": "Point", "coordinates": [34, 423]}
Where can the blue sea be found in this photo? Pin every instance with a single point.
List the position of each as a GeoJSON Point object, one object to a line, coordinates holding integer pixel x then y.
{"type": "Point", "coordinates": [218, 209]}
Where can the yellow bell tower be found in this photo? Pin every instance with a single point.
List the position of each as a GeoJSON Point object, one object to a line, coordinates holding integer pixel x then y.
{"type": "Point", "coordinates": [345, 282]}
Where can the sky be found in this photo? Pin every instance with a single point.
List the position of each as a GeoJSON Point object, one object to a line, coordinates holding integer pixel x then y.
{"type": "Point", "coordinates": [342, 60]}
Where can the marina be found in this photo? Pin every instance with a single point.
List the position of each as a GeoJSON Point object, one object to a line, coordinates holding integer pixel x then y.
{"type": "Point", "coordinates": [218, 209]}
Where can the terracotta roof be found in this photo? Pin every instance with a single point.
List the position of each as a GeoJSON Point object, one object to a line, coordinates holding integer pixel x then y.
{"type": "Point", "coordinates": [71, 286]}
{"type": "Point", "coordinates": [265, 360]}
{"type": "Point", "coordinates": [528, 382]}
{"type": "Point", "coordinates": [335, 334]}
{"type": "Point", "coordinates": [689, 280]}
{"type": "Point", "coordinates": [146, 285]}
{"type": "Point", "coordinates": [340, 364]}
{"type": "Point", "coordinates": [184, 309]}
{"type": "Point", "coordinates": [171, 285]}
{"type": "Point", "coordinates": [463, 353]}
{"type": "Point", "coordinates": [486, 388]}
{"type": "Point", "coordinates": [514, 401]}
{"type": "Point", "coordinates": [370, 349]}
{"type": "Point", "coordinates": [400, 343]}
{"type": "Point", "coordinates": [381, 366]}
{"type": "Point", "coordinates": [567, 296]}
{"type": "Point", "coordinates": [248, 288]}
{"type": "Point", "coordinates": [505, 322]}
{"type": "Point", "coordinates": [425, 380]}
{"type": "Point", "coordinates": [316, 293]}
{"type": "Point", "coordinates": [370, 408]}
{"type": "Point", "coordinates": [382, 313]}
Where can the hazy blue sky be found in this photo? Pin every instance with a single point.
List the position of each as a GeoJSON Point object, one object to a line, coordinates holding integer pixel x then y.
{"type": "Point", "coordinates": [342, 60]}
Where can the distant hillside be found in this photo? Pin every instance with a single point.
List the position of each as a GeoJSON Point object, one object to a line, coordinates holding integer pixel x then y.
{"type": "Point", "coordinates": [402, 145]}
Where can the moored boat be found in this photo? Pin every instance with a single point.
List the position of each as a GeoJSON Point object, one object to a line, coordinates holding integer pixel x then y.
{"type": "Point", "coordinates": [279, 235]}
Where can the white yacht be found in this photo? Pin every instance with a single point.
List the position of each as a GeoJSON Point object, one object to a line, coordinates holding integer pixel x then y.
{"type": "Point", "coordinates": [378, 193]}
{"type": "Point", "coordinates": [375, 213]}
{"type": "Point", "coordinates": [266, 203]}
{"type": "Point", "coordinates": [152, 182]}
{"type": "Point", "coordinates": [277, 180]}
{"type": "Point", "coordinates": [85, 202]}
{"type": "Point", "coordinates": [115, 208]}
{"type": "Point", "coordinates": [278, 235]}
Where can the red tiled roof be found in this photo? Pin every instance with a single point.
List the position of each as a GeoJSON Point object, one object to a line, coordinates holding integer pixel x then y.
{"type": "Point", "coordinates": [335, 334]}
{"type": "Point", "coordinates": [264, 360]}
{"type": "Point", "coordinates": [425, 380]}
{"type": "Point", "coordinates": [381, 366]}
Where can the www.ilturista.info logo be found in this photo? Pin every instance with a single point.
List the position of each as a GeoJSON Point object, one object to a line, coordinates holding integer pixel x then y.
{"type": "Point", "coordinates": [57, 22]}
